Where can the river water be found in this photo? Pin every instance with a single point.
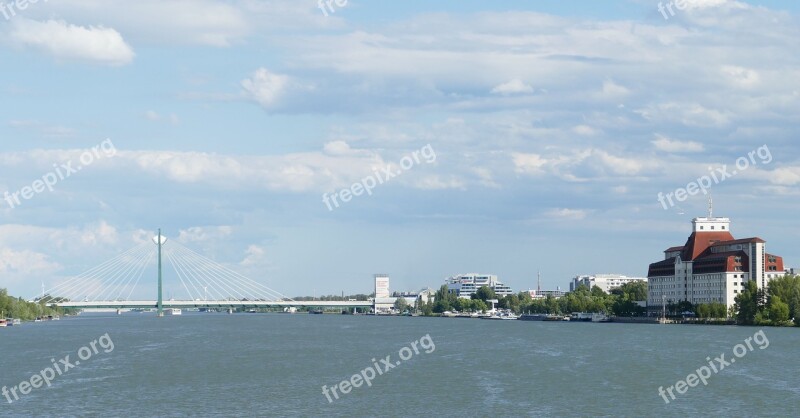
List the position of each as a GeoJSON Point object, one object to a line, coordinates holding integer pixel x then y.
{"type": "Point", "coordinates": [276, 365]}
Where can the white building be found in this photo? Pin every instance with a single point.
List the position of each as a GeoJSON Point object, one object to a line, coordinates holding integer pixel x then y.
{"type": "Point", "coordinates": [383, 300]}
{"type": "Point", "coordinates": [711, 267]}
{"type": "Point", "coordinates": [382, 286]}
{"type": "Point", "coordinates": [606, 282]}
{"type": "Point", "coordinates": [543, 294]}
{"type": "Point", "coordinates": [465, 285]}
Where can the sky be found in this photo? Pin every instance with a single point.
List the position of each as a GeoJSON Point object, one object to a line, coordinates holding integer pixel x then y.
{"type": "Point", "coordinates": [521, 136]}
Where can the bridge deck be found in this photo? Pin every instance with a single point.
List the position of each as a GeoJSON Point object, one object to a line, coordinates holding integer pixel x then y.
{"type": "Point", "coordinates": [216, 304]}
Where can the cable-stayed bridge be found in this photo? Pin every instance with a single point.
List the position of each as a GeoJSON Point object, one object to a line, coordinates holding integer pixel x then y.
{"type": "Point", "coordinates": [204, 283]}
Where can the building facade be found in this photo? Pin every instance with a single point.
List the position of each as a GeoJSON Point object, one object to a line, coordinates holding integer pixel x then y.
{"type": "Point", "coordinates": [543, 294]}
{"type": "Point", "coordinates": [711, 266]}
{"type": "Point", "coordinates": [606, 282]}
{"type": "Point", "coordinates": [465, 285]}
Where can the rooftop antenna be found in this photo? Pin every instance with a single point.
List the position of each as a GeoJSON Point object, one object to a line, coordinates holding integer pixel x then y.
{"type": "Point", "coordinates": [538, 282]}
{"type": "Point", "coordinates": [710, 207]}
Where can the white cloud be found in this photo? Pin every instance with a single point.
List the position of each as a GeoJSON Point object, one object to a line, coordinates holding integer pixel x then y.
{"type": "Point", "coordinates": [664, 143]}
{"type": "Point", "coordinates": [612, 90]}
{"type": "Point", "coordinates": [154, 116]}
{"type": "Point", "coordinates": [515, 86]}
{"type": "Point", "coordinates": [101, 233]}
{"type": "Point", "coordinates": [254, 256]}
{"type": "Point", "coordinates": [741, 77]}
{"type": "Point", "coordinates": [568, 214]}
{"type": "Point", "coordinates": [203, 234]}
{"type": "Point", "coordinates": [25, 262]}
{"type": "Point", "coordinates": [265, 87]}
{"type": "Point", "coordinates": [585, 130]}
{"type": "Point", "coordinates": [66, 41]}
{"type": "Point", "coordinates": [528, 163]}
{"type": "Point", "coordinates": [436, 182]}
{"type": "Point", "coordinates": [690, 114]}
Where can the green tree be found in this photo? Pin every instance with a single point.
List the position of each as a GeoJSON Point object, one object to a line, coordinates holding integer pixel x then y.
{"type": "Point", "coordinates": [484, 293]}
{"type": "Point", "coordinates": [797, 316]}
{"type": "Point", "coordinates": [788, 289]}
{"type": "Point", "coordinates": [748, 304]}
{"type": "Point", "coordinates": [778, 310]}
{"type": "Point", "coordinates": [401, 305]}
{"type": "Point", "coordinates": [597, 292]}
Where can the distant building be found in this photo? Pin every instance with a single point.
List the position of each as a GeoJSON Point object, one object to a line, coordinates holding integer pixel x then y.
{"type": "Point", "coordinates": [383, 300]}
{"type": "Point", "coordinates": [711, 267]}
{"type": "Point", "coordinates": [542, 294]}
{"type": "Point", "coordinates": [465, 285]}
{"type": "Point", "coordinates": [606, 282]}
{"type": "Point", "coordinates": [382, 286]}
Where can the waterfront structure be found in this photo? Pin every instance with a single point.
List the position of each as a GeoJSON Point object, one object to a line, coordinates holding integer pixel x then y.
{"type": "Point", "coordinates": [465, 285]}
{"type": "Point", "coordinates": [711, 266]}
{"type": "Point", "coordinates": [606, 282]}
{"type": "Point", "coordinates": [542, 294]}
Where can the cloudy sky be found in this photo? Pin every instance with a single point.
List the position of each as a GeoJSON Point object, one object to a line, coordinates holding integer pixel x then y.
{"type": "Point", "coordinates": [555, 126]}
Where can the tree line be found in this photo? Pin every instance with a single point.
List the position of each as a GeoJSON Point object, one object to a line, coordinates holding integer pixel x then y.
{"type": "Point", "coordinates": [18, 308]}
{"type": "Point", "coordinates": [620, 302]}
{"type": "Point", "coordinates": [776, 305]}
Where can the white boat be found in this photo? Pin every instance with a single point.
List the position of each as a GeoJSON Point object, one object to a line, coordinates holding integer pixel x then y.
{"type": "Point", "coordinates": [173, 311]}
{"type": "Point", "coordinates": [3, 323]}
{"type": "Point", "coordinates": [599, 317]}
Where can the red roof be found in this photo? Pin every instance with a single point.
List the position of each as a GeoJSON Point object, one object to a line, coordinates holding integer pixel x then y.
{"type": "Point", "coordinates": [741, 241]}
{"type": "Point", "coordinates": [699, 242]}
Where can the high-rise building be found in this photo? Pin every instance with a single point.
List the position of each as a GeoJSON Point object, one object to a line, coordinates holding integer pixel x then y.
{"type": "Point", "coordinates": [464, 285]}
{"type": "Point", "coordinates": [711, 267]}
{"type": "Point", "coordinates": [382, 286]}
{"type": "Point", "coordinates": [606, 282]}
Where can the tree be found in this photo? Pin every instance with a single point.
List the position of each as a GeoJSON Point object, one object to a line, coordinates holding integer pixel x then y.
{"type": "Point", "coordinates": [797, 316]}
{"type": "Point", "coordinates": [703, 311]}
{"type": "Point", "coordinates": [598, 292]}
{"type": "Point", "coordinates": [778, 310]}
{"type": "Point", "coordinates": [484, 293]}
{"type": "Point", "coordinates": [401, 305]}
{"type": "Point", "coordinates": [748, 304]}
{"type": "Point", "coordinates": [552, 305]}
{"type": "Point", "coordinates": [788, 289]}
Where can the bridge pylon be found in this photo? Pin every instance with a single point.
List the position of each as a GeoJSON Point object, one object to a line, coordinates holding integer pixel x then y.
{"type": "Point", "coordinates": [160, 240]}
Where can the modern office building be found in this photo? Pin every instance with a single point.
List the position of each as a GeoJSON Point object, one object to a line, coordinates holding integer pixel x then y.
{"type": "Point", "coordinates": [606, 282]}
{"type": "Point", "coordinates": [711, 266]}
{"type": "Point", "coordinates": [464, 285]}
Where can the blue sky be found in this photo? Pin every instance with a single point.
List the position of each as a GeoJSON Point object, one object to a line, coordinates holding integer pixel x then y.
{"type": "Point", "coordinates": [555, 126]}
